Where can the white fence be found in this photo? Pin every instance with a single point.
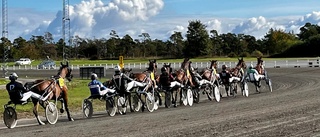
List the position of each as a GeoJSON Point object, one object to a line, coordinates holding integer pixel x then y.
{"type": "Point", "coordinates": [312, 62]}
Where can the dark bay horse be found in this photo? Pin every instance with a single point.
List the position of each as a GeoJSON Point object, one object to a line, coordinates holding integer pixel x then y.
{"type": "Point", "coordinates": [53, 89]}
{"type": "Point", "coordinates": [259, 66]}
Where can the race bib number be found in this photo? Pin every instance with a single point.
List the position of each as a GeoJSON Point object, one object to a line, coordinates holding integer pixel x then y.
{"type": "Point", "coordinates": [61, 82]}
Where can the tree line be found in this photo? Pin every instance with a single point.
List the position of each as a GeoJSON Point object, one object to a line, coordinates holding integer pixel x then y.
{"type": "Point", "coordinates": [198, 42]}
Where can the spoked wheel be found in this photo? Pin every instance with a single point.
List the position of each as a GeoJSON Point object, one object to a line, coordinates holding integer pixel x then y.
{"type": "Point", "coordinates": [217, 93]}
{"type": "Point", "coordinates": [245, 89]}
{"type": "Point", "coordinates": [87, 108]}
{"type": "Point", "coordinates": [111, 107]}
{"type": "Point", "coordinates": [150, 102]}
{"type": "Point", "coordinates": [209, 92]}
{"type": "Point", "coordinates": [196, 95]}
{"type": "Point", "coordinates": [52, 113]}
{"type": "Point", "coordinates": [135, 103]}
{"type": "Point", "coordinates": [10, 117]}
{"type": "Point", "coordinates": [122, 105]}
{"type": "Point", "coordinates": [270, 84]}
{"type": "Point", "coordinates": [168, 101]}
{"type": "Point", "coordinates": [184, 99]}
{"type": "Point", "coordinates": [156, 103]}
{"type": "Point", "coordinates": [190, 97]}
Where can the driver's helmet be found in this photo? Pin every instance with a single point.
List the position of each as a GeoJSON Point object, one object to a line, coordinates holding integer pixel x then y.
{"type": "Point", "coordinates": [224, 67]}
{"type": "Point", "coordinates": [251, 66]}
{"type": "Point", "coordinates": [164, 69]}
{"type": "Point", "coordinates": [117, 69]}
{"type": "Point", "coordinates": [94, 76]}
{"type": "Point", "coordinates": [13, 76]}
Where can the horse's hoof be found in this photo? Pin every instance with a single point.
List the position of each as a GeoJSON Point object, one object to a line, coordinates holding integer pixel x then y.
{"type": "Point", "coordinates": [71, 119]}
{"type": "Point", "coordinates": [61, 110]}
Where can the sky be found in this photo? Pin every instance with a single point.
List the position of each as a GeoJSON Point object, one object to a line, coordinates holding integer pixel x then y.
{"type": "Point", "coordinates": [160, 18]}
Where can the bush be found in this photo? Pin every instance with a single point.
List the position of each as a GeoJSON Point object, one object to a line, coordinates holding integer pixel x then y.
{"type": "Point", "coordinates": [257, 53]}
{"type": "Point", "coordinates": [245, 54]}
{"type": "Point", "coordinates": [232, 54]}
{"type": "Point", "coordinates": [94, 57]}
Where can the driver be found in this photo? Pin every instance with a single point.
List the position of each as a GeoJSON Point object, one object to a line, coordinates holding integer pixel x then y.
{"type": "Point", "coordinates": [97, 88]}
{"type": "Point", "coordinates": [121, 77]}
{"type": "Point", "coordinates": [17, 92]}
{"type": "Point", "coordinates": [253, 75]}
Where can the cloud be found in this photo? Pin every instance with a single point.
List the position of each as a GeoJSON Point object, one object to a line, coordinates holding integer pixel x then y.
{"type": "Point", "coordinates": [256, 27]}
{"type": "Point", "coordinates": [313, 18]}
{"type": "Point", "coordinates": [95, 18]}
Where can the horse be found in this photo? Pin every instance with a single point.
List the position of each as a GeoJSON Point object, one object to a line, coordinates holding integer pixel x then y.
{"type": "Point", "coordinates": [147, 76]}
{"type": "Point", "coordinates": [210, 74]}
{"type": "Point", "coordinates": [184, 77]}
{"type": "Point", "coordinates": [165, 80]}
{"type": "Point", "coordinates": [238, 71]}
{"type": "Point", "coordinates": [259, 66]}
{"type": "Point", "coordinates": [53, 89]}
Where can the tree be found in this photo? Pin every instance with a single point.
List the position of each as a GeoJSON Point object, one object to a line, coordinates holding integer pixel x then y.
{"type": "Point", "coordinates": [308, 30]}
{"type": "Point", "coordinates": [198, 42]}
{"type": "Point", "coordinates": [277, 41]}
{"type": "Point", "coordinates": [177, 46]}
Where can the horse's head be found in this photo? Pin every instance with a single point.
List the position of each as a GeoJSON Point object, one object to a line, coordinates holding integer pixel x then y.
{"type": "Point", "coordinates": [259, 61]}
{"type": "Point", "coordinates": [152, 65]}
{"type": "Point", "coordinates": [213, 64]}
{"type": "Point", "coordinates": [166, 68]}
{"type": "Point", "coordinates": [241, 63]}
{"type": "Point", "coordinates": [185, 64]}
{"type": "Point", "coordinates": [65, 71]}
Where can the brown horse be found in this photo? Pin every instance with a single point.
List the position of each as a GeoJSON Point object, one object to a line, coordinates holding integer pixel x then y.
{"type": "Point", "coordinates": [53, 89]}
{"type": "Point", "coordinates": [148, 76]}
{"type": "Point", "coordinates": [259, 66]}
{"type": "Point", "coordinates": [210, 73]}
{"type": "Point", "coordinates": [238, 71]}
{"type": "Point", "coordinates": [183, 75]}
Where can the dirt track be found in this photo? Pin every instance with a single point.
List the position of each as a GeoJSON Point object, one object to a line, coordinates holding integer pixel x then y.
{"type": "Point", "coordinates": [292, 109]}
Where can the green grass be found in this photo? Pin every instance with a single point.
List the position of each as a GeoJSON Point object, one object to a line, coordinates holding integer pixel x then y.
{"type": "Point", "coordinates": [145, 60]}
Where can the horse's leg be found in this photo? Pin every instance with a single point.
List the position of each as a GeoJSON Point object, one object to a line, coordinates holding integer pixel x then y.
{"type": "Point", "coordinates": [174, 97]}
{"type": "Point", "coordinates": [143, 103]}
{"type": "Point", "coordinates": [130, 103]}
{"type": "Point", "coordinates": [65, 103]}
{"type": "Point", "coordinates": [35, 111]}
{"type": "Point", "coordinates": [159, 97]}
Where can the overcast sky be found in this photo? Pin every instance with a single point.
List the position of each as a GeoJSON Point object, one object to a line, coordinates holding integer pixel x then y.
{"type": "Point", "coordinates": [159, 18]}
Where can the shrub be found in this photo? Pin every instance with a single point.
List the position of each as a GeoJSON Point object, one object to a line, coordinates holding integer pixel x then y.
{"type": "Point", "coordinates": [245, 54]}
{"type": "Point", "coordinates": [257, 53]}
{"type": "Point", "coordinates": [232, 54]}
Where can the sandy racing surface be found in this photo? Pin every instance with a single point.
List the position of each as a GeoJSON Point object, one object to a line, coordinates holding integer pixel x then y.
{"type": "Point", "coordinates": [292, 109]}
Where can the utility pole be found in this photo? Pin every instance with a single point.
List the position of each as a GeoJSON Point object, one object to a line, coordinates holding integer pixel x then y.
{"type": "Point", "coordinates": [66, 31]}
{"type": "Point", "coordinates": [5, 36]}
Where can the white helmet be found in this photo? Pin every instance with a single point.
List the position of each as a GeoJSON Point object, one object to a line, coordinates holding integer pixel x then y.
{"type": "Point", "coordinates": [251, 66]}
{"type": "Point", "coordinates": [13, 76]}
{"type": "Point", "coordinates": [117, 68]}
{"type": "Point", "coordinates": [94, 76]}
